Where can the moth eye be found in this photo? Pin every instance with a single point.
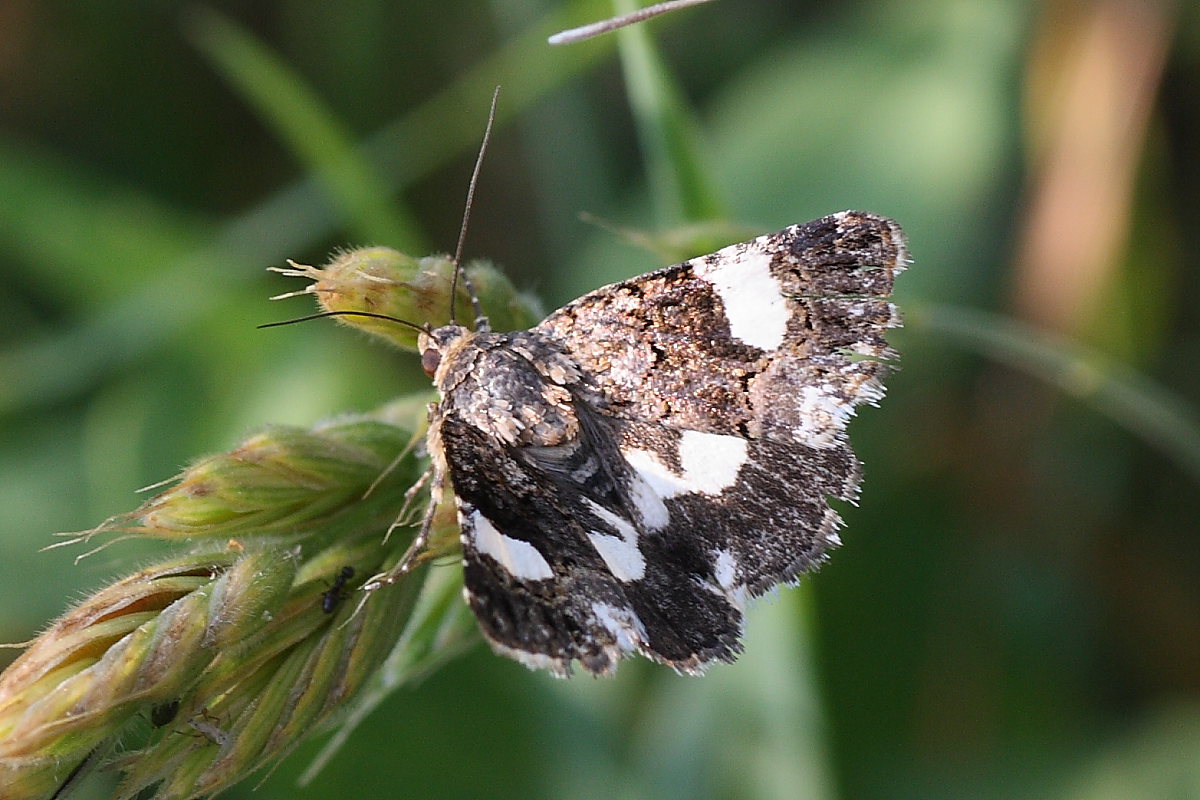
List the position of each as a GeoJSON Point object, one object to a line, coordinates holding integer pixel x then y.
{"type": "Point", "coordinates": [430, 360]}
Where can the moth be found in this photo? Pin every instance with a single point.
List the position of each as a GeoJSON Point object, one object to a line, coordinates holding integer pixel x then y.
{"type": "Point", "coordinates": [632, 470]}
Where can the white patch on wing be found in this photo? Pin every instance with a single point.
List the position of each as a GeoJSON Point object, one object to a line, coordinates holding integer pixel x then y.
{"type": "Point", "coordinates": [626, 629]}
{"type": "Point", "coordinates": [711, 463]}
{"type": "Point", "coordinates": [661, 481]}
{"type": "Point", "coordinates": [725, 571]}
{"type": "Point", "coordinates": [724, 568]}
{"type": "Point", "coordinates": [753, 298]}
{"type": "Point", "coordinates": [653, 510]}
{"type": "Point", "coordinates": [620, 553]}
{"type": "Point", "coordinates": [823, 415]}
{"type": "Point", "coordinates": [521, 559]}
{"type": "Point", "coordinates": [558, 667]}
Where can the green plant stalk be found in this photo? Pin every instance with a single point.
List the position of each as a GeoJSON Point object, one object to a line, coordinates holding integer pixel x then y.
{"type": "Point", "coordinates": [240, 639]}
{"type": "Point", "coordinates": [243, 638]}
{"type": "Point", "coordinates": [298, 681]}
{"type": "Point", "coordinates": [139, 642]}
{"type": "Point", "coordinates": [284, 484]}
{"type": "Point", "coordinates": [440, 629]}
{"type": "Point", "coordinates": [1130, 399]}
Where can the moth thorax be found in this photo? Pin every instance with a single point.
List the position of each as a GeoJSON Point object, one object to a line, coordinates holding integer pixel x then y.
{"type": "Point", "coordinates": [507, 398]}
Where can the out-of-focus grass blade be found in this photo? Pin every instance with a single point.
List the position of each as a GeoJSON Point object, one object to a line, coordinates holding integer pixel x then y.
{"type": "Point", "coordinates": [87, 240]}
{"type": "Point", "coordinates": [771, 744]}
{"type": "Point", "coordinates": [525, 68]}
{"type": "Point", "coordinates": [419, 143]}
{"type": "Point", "coordinates": [680, 184]}
{"type": "Point", "coordinates": [308, 127]}
{"type": "Point", "coordinates": [1155, 756]}
{"type": "Point", "coordinates": [752, 730]}
{"type": "Point", "coordinates": [1130, 399]}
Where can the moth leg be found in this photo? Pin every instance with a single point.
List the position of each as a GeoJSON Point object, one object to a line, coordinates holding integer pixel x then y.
{"type": "Point", "coordinates": [409, 495]}
{"type": "Point", "coordinates": [437, 481]}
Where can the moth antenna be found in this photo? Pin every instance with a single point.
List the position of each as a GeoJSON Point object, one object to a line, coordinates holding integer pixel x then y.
{"type": "Point", "coordinates": [481, 321]}
{"type": "Point", "coordinates": [324, 314]}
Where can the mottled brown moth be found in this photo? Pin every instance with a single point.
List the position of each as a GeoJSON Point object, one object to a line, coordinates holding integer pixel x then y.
{"type": "Point", "coordinates": [629, 472]}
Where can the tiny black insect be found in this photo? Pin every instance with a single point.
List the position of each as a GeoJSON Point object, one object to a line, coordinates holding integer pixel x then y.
{"type": "Point", "coordinates": [163, 713]}
{"type": "Point", "coordinates": [334, 594]}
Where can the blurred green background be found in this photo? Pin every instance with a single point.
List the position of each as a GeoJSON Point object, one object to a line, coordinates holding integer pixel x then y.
{"type": "Point", "coordinates": [1016, 610]}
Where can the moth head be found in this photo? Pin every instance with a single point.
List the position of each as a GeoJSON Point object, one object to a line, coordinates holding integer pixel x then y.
{"type": "Point", "coordinates": [434, 344]}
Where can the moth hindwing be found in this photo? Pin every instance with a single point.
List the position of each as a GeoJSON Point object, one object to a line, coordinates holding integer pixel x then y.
{"type": "Point", "coordinates": [634, 468]}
